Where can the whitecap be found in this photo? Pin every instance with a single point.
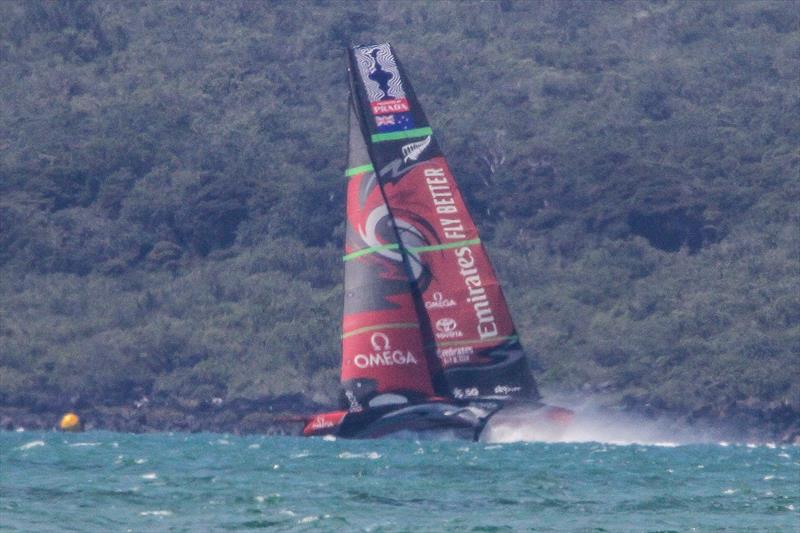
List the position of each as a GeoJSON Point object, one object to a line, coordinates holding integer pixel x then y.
{"type": "Point", "coordinates": [729, 491]}
{"type": "Point", "coordinates": [150, 475]}
{"type": "Point", "coordinates": [790, 507]}
{"type": "Point", "coordinates": [140, 461]}
{"type": "Point", "coordinates": [329, 438]}
{"type": "Point", "coordinates": [308, 519]}
{"type": "Point", "coordinates": [223, 442]}
{"type": "Point", "coordinates": [784, 455]}
{"type": "Point", "coordinates": [300, 455]}
{"type": "Point", "coordinates": [368, 455]}
{"type": "Point", "coordinates": [254, 446]}
{"type": "Point", "coordinates": [79, 444]}
{"type": "Point", "coordinates": [156, 513]}
{"type": "Point", "coordinates": [287, 512]}
{"type": "Point", "coordinates": [767, 478]}
{"type": "Point", "coordinates": [20, 430]}
{"type": "Point", "coordinates": [32, 444]}
{"type": "Point", "coordinates": [275, 467]}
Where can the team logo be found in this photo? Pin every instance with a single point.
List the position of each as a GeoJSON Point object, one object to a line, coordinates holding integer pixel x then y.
{"type": "Point", "coordinates": [447, 328]}
{"type": "Point", "coordinates": [381, 76]}
{"type": "Point", "coordinates": [383, 354]}
{"type": "Point", "coordinates": [439, 302]}
{"type": "Point", "coordinates": [412, 151]}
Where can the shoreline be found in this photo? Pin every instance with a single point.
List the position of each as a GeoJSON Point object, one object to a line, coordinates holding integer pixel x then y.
{"type": "Point", "coordinates": [273, 416]}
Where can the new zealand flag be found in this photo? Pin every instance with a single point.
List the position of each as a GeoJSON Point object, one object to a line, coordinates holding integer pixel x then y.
{"type": "Point", "coordinates": [395, 122]}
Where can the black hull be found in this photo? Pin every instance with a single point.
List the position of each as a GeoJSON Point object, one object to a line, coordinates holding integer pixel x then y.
{"type": "Point", "coordinates": [452, 419]}
{"type": "Point", "coordinates": [461, 421]}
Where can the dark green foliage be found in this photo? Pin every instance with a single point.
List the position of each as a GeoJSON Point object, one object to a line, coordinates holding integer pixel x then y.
{"type": "Point", "coordinates": [171, 200]}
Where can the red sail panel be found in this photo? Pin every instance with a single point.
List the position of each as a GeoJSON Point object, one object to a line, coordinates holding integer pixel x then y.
{"type": "Point", "coordinates": [466, 317]}
{"type": "Point", "coordinates": [466, 307]}
{"type": "Point", "coordinates": [382, 347]}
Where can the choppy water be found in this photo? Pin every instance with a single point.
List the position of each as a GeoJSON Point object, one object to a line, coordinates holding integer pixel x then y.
{"type": "Point", "coordinates": [103, 481]}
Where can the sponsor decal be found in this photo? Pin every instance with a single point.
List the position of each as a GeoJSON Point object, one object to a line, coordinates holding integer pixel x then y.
{"type": "Point", "coordinates": [412, 151]}
{"type": "Point", "coordinates": [447, 328]}
{"type": "Point", "coordinates": [487, 326]}
{"type": "Point", "coordinates": [385, 107]}
{"type": "Point", "coordinates": [454, 355]}
{"type": "Point", "coordinates": [383, 355]}
{"type": "Point", "coordinates": [396, 122]}
{"type": "Point", "coordinates": [506, 389]}
{"type": "Point", "coordinates": [438, 301]}
{"type": "Point", "coordinates": [453, 229]}
{"type": "Point", "coordinates": [355, 406]}
{"type": "Point", "coordinates": [470, 392]}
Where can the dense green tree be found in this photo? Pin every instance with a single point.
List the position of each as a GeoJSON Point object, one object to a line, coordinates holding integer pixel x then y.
{"type": "Point", "coordinates": [171, 211]}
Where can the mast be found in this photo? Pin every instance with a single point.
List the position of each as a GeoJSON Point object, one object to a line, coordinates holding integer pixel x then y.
{"type": "Point", "coordinates": [455, 287]}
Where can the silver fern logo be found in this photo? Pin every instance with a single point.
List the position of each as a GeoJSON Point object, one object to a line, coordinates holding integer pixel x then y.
{"type": "Point", "coordinates": [412, 151]}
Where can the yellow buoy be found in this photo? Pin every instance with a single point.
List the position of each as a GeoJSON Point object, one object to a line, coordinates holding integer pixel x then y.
{"type": "Point", "coordinates": [70, 422]}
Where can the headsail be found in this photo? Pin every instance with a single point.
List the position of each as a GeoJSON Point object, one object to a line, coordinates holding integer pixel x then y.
{"type": "Point", "coordinates": [383, 355]}
{"type": "Point", "coordinates": [460, 299]}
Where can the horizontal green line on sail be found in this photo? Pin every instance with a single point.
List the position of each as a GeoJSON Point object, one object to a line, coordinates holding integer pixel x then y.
{"type": "Point", "coordinates": [358, 170]}
{"type": "Point", "coordinates": [418, 249]}
{"type": "Point", "coordinates": [445, 246]}
{"type": "Point", "coordinates": [370, 250]}
{"type": "Point", "coordinates": [396, 325]}
{"type": "Point", "coordinates": [476, 341]}
{"type": "Point", "coordinates": [405, 134]}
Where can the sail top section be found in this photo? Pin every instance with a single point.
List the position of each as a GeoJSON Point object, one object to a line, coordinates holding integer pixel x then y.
{"type": "Point", "coordinates": [464, 317]}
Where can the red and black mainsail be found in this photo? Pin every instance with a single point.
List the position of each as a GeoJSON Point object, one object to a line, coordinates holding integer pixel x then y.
{"type": "Point", "coordinates": [424, 314]}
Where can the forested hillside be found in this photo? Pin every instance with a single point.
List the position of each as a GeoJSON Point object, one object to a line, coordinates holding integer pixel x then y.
{"type": "Point", "coordinates": [172, 207]}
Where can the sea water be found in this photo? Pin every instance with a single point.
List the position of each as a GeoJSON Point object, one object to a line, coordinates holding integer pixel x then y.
{"type": "Point", "coordinates": [100, 481]}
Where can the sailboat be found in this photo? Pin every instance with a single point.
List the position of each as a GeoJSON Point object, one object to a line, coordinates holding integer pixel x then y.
{"type": "Point", "coordinates": [428, 343]}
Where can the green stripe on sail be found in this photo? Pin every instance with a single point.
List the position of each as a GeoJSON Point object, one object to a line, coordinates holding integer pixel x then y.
{"type": "Point", "coordinates": [396, 325]}
{"type": "Point", "coordinates": [477, 341]}
{"type": "Point", "coordinates": [406, 134]}
{"type": "Point", "coordinates": [418, 249]}
{"type": "Point", "coordinates": [358, 170]}
{"type": "Point", "coordinates": [445, 246]}
{"type": "Point", "coordinates": [370, 250]}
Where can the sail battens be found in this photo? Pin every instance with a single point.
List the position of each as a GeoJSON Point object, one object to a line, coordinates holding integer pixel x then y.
{"type": "Point", "coordinates": [445, 246]}
{"type": "Point", "coordinates": [404, 134]}
{"type": "Point", "coordinates": [366, 329]}
{"type": "Point", "coordinates": [358, 170]}
{"type": "Point", "coordinates": [370, 250]}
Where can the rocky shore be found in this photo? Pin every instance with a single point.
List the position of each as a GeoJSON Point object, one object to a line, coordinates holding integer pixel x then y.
{"type": "Point", "coordinates": [755, 422]}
